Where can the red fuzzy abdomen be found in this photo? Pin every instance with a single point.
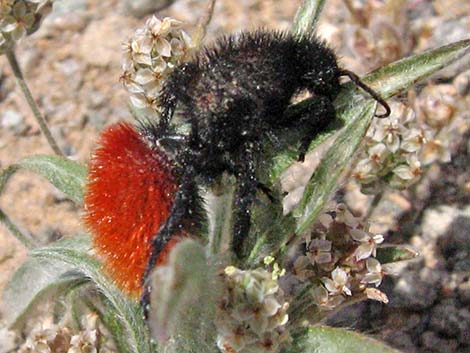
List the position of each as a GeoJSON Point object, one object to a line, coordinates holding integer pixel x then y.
{"type": "Point", "coordinates": [129, 195]}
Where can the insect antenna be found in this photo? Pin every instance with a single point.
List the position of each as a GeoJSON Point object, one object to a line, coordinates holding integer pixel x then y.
{"type": "Point", "coordinates": [357, 81]}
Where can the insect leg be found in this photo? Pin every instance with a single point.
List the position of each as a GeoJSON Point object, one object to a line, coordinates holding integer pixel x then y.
{"type": "Point", "coordinates": [318, 115]}
{"type": "Point", "coordinates": [185, 207]}
{"type": "Point", "coordinates": [173, 90]}
{"type": "Point", "coordinates": [232, 169]}
{"type": "Point", "coordinates": [244, 198]}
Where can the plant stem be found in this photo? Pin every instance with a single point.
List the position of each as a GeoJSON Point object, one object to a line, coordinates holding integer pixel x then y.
{"type": "Point", "coordinates": [203, 23]}
{"type": "Point", "coordinates": [220, 210]}
{"type": "Point", "coordinates": [374, 203]}
{"type": "Point", "coordinates": [25, 239]}
{"type": "Point", "coordinates": [307, 16]}
{"type": "Point", "coordinates": [31, 102]}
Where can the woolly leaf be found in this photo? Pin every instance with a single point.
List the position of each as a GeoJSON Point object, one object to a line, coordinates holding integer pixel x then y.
{"type": "Point", "coordinates": [128, 325]}
{"type": "Point", "coordinates": [334, 340]}
{"type": "Point", "coordinates": [402, 74]}
{"type": "Point", "coordinates": [183, 300]}
{"type": "Point", "coordinates": [37, 279]}
{"type": "Point", "coordinates": [325, 179]}
{"type": "Point", "coordinates": [270, 229]}
{"type": "Point", "coordinates": [66, 175]}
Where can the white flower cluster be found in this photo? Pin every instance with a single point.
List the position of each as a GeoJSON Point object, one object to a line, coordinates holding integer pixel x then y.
{"type": "Point", "coordinates": [340, 258]}
{"type": "Point", "coordinates": [50, 338]}
{"type": "Point", "coordinates": [253, 313]}
{"type": "Point", "coordinates": [397, 148]}
{"type": "Point", "coordinates": [19, 18]}
{"type": "Point", "coordinates": [150, 56]}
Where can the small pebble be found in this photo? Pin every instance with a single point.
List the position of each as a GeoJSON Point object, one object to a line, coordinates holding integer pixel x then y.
{"type": "Point", "coordinates": [13, 121]}
{"type": "Point", "coordinates": [140, 8]}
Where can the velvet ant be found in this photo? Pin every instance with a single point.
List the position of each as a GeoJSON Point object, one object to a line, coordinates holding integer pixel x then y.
{"type": "Point", "coordinates": [234, 95]}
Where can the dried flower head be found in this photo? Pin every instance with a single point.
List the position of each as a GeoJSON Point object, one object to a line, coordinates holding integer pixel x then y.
{"type": "Point", "coordinates": [338, 260]}
{"type": "Point", "coordinates": [59, 338]}
{"type": "Point", "coordinates": [149, 56]}
{"type": "Point", "coordinates": [396, 151]}
{"type": "Point", "coordinates": [19, 18]}
{"type": "Point", "coordinates": [253, 313]}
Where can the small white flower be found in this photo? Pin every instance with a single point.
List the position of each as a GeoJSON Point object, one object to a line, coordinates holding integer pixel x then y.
{"type": "Point", "coordinates": [141, 48]}
{"type": "Point", "coordinates": [323, 299]}
{"type": "Point", "coordinates": [365, 172]}
{"type": "Point", "coordinates": [253, 313]}
{"type": "Point", "coordinates": [142, 101]}
{"type": "Point", "coordinates": [5, 6]}
{"type": "Point", "coordinates": [389, 132]}
{"type": "Point", "coordinates": [163, 47]}
{"type": "Point", "coordinates": [302, 268]}
{"type": "Point", "coordinates": [325, 220]}
{"type": "Point", "coordinates": [144, 76]}
{"type": "Point", "coordinates": [149, 57]}
{"type": "Point", "coordinates": [378, 154]}
{"type": "Point", "coordinates": [414, 139]}
{"type": "Point", "coordinates": [374, 273]}
{"type": "Point", "coordinates": [438, 105]}
{"type": "Point", "coordinates": [407, 174]}
{"type": "Point", "coordinates": [154, 26]}
{"type": "Point", "coordinates": [85, 342]}
{"type": "Point", "coordinates": [236, 341]}
{"type": "Point", "coordinates": [368, 244]}
{"type": "Point", "coordinates": [338, 284]}
{"type": "Point", "coordinates": [41, 337]}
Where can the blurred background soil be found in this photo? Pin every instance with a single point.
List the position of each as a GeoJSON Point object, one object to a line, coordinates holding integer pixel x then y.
{"type": "Point", "coordinates": [73, 66]}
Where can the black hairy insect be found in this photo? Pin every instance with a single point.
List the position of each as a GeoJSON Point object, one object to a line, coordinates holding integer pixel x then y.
{"type": "Point", "coordinates": [234, 95]}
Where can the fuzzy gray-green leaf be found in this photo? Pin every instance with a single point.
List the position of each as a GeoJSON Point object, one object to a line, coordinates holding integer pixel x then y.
{"type": "Point", "coordinates": [401, 75]}
{"type": "Point", "coordinates": [307, 16]}
{"type": "Point", "coordinates": [325, 179]}
{"type": "Point", "coordinates": [269, 231]}
{"type": "Point", "coordinates": [35, 279]}
{"type": "Point", "coordinates": [6, 174]}
{"type": "Point", "coordinates": [66, 175]}
{"type": "Point", "coordinates": [183, 299]}
{"type": "Point", "coordinates": [127, 313]}
{"type": "Point", "coordinates": [334, 340]}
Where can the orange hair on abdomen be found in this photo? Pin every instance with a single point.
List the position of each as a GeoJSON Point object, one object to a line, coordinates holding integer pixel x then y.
{"type": "Point", "coordinates": [129, 195]}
